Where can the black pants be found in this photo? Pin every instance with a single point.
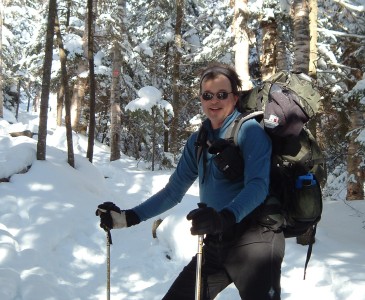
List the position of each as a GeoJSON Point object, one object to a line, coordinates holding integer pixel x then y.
{"type": "Point", "coordinates": [252, 262]}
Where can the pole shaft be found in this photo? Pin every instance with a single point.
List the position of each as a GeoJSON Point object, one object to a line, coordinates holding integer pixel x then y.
{"type": "Point", "coordinates": [199, 257]}
{"type": "Point", "coordinates": [108, 266]}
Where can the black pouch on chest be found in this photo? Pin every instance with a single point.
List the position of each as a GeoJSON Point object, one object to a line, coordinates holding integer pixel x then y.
{"type": "Point", "coordinates": [228, 158]}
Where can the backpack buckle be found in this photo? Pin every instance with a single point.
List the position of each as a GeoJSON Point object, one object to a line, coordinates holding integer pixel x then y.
{"type": "Point", "coordinates": [305, 181]}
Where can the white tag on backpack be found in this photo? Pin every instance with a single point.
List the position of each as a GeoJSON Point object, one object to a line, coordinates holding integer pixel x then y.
{"type": "Point", "coordinates": [272, 122]}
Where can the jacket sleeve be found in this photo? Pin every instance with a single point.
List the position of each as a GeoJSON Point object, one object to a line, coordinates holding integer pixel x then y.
{"type": "Point", "coordinates": [180, 181]}
{"type": "Point", "coordinates": [255, 146]}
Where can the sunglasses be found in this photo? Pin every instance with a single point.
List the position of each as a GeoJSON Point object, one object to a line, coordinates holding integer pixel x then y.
{"type": "Point", "coordinates": [220, 95]}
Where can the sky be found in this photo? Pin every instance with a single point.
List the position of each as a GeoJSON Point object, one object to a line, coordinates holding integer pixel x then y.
{"type": "Point", "coordinates": [51, 245]}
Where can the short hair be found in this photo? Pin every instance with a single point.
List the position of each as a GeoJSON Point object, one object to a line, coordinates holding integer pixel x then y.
{"type": "Point", "coordinates": [213, 70]}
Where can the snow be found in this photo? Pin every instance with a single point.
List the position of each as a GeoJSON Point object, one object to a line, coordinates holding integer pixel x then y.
{"type": "Point", "coordinates": [51, 245]}
{"type": "Point", "coordinates": [149, 97]}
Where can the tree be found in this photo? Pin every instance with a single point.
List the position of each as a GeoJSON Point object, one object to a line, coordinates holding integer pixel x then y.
{"type": "Point", "coordinates": [355, 153]}
{"type": "Point", "coordinates": [313, 24]}
{"type": "Point", "coordinates": [176, 77]}
{"type": "Point", "coordinates": [1, 61]}
{"type": "Point", "coordinates": [269, 49]}
{"type": "Point", "coordinates": [115, 111]}
{"type": "Point", "coordinates": [91, 6]}
{"type": "Point", "coordinates": [119, 37]}
{"type": "Point", "coordinates": [149, 109]}
{"type": "Point", "coordinates": [47, 66]}
{"type": "Point", "coordinates": [341, 56]}
{"type": "Point", "coordinates": [356, 115]}
{"type": "Point", "coordinates": [301, 36]}
{"type": "Point", "coordinates": [80, 82]}
{"type": "Point", "coordinates": [66, 93]}
{"type": "Point", "coordinates": [241, 47]}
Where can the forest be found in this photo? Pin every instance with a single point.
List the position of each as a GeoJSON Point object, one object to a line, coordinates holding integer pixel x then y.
{"type": "Point", "coordinates": [93, 58]}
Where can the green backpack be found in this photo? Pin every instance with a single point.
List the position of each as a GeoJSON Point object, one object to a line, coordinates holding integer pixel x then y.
{"type": "Point", "coordinates": [283, 105]}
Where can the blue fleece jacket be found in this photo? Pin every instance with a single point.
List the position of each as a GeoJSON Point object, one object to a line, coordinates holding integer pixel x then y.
{"type": "Point", "coordinates": [240, 197]}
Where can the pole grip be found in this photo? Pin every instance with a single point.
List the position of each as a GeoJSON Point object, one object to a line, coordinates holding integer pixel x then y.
{"type": "Point", "coordinates": [202, 205]}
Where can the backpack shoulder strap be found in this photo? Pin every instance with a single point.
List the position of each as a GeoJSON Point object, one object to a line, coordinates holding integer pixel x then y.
{"type": "Point", "coordinates": [200, 142]}
{"type": "Point", "coordinates": [232, 130]}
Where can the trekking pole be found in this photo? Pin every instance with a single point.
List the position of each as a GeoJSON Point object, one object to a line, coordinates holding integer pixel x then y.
{"type": "Point", "coordinates": [199, 259]}
{"type": "Point", "coordinates": [108, 243]}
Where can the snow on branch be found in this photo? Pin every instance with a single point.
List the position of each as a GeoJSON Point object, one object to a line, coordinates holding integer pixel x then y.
{"type": "Point", "coordinates": [149, 97]}
{"type": "Point", "coordinates": [340, 34]}
{"type": "Point", "coordinates": [351, 6]}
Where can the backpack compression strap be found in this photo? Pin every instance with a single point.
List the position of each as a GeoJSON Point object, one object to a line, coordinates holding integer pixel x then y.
{"type": "Point", "coordinates": [310, 248]}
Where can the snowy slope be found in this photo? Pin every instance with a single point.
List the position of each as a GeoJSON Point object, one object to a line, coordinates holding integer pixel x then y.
{"type": "Point", "coordinates": [51, 246]}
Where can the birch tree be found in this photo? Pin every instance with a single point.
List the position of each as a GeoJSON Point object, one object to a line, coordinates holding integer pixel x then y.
{"type": "Point", "coordinates": [241, 46]}
{"type": "Point", "coordinates": [313, 24]}
{"type": "Point", "coordinates": [269, 49]}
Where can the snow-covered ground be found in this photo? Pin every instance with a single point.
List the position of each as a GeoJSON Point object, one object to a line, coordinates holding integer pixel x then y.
{"type": "Point", "coordinates": [51, 246]}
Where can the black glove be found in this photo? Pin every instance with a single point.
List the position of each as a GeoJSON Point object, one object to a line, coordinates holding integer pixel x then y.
{"type": "Point", "coordinates": [206, 220]}
{"type": "Point", "coordinates": [112, 217]}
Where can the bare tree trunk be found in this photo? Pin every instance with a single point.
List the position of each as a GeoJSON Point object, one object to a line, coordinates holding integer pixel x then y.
{"type": "Point", "coordinates": [26, 88]}
{"type": "Point", "coordinates": [154, 133]}
{"type": "Point", "coordinates": [174, 130]}
{"type": "Point", "coordinates": [356, 111]}
{"type": "Point", "coordinates": [1, 61]}
{"type": "Point", "coordinates": [313, 53]}
{"type": "Point", "coordinates": [301, 36]}
{"type": "Point", "coordinates": [91, 6]}
{"type": "Point", "coordinates": [47, 66]}
{"type": "Point", "coordinates": [300, 13]}
{"type": "Point", "coordinates": [80, 86]}
{"type": "Point", "coordinates": [60, 97]}
{"type": "Point", "coordinates": [166, 132]}
{"type": "Point", "coordinates": [269, 40]}
{"type": "Point", "coordinates": [17, 99]}
{"type": "Point", "coordinates": [115, 110]}
{"type": "Point", "coordinates": [355, 185]}
{"type": "Point", "coordinates": [314, 124]}
{"type": "Point", "coordinates": [68, 13]}
{"type": "Point", "coordinates": [115, 95]}
{"type": "Point", "coordinates": [241, 46]}
{"type": "Point", "coordinates": [36, 101]}
{"type": "Point", "coordinates": [76, 100]}
{"type": "Point", "coordinates": [64, 84]}
{"type": "Point", "coordinates": [166, 116]}
{"type": "Point", "coordinates": [282, 62]}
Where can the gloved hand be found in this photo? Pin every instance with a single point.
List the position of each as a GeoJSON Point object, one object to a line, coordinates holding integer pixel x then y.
{"type": "Point", "coordinates": [111, 217]}
{"type": "Point", "coordinates": [206, 220]}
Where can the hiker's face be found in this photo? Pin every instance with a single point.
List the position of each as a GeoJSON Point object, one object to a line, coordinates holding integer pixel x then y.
{"type": "Point", "coordinates": [215, 109]}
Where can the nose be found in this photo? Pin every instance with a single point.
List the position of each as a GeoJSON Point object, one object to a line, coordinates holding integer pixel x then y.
{"type": "Point", "coordinates": [215, 99]}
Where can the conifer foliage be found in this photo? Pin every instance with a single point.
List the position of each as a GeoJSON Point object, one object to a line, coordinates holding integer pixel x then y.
{"type": "Point", "coordinates": [138, 39]}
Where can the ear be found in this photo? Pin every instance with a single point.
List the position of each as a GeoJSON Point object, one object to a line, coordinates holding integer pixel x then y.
{"type": "Point", "coordinates": [236, 97]}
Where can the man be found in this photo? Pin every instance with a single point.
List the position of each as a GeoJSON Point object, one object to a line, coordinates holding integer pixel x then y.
{"type": "Point", "coordinates": [236, 247]}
